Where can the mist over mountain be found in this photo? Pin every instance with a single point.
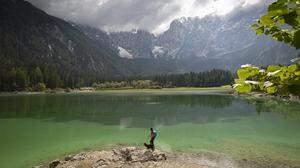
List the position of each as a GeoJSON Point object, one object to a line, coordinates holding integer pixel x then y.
{"type": "Point", "coordinates": [221, 42]}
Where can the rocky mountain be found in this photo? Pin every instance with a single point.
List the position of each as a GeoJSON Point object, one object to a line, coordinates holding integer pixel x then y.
{"type": "Point", "coordinates": [138, 43]}
{"type": "Point", "coordinates": [134, 47]}
{"type": "Point", "coordinates": [101, 38]}
{"type": "Point", "coordinates": [227, 39]}
{"type": "Point", "coordinates": [221, 42]}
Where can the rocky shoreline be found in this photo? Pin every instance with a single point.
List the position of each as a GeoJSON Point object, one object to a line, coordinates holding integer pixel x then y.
{"type": "Point", "coordinates": [135, 157]}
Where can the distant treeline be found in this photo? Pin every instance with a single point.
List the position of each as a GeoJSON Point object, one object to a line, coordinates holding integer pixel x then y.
{"type": "Point", "coordinates": [39, 79]}
{"type": "Point", "coordinates": [213, 78]}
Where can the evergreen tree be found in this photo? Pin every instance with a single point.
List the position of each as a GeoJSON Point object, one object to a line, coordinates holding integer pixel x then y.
{"type": "Point", "coordinates": [37, 76]}
{"type": "Point", "coordinates": [54, 80]}
{"type": "Point", "coordinates": [21, 78]}
{"type": "Point", "coordinates": [11, 79]}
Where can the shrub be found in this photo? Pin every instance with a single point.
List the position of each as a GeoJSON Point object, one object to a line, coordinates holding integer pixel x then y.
{"type": "Point", "coordinates": [40, 87]}
{"type": "Point", "coordinates": [274, 79]}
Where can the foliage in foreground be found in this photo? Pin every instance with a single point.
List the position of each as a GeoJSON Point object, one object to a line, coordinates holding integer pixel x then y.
{"type": "Point", "coordinates": [282, 22]}
{"type": "Point", "coordinates": [275, 79]}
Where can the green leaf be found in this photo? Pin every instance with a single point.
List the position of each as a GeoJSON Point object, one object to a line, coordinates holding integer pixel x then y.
{"type": "Point", "coordinates": [291, 18]}
{"type": "Point", "coordinates": [248, 72]}
{"type": "Point", "coordinates": [254, 26]}
{"type": "Point", "coordinates": [243, 74]}
{"type": "Point", "coordinates": [244, 88]}
{"type": "Point", "coordinates": [260, 30]}
{"type": "Point", "coordinates": [282, 22]}
{"type": "Point", "coordinates": [292, 68]}
{"type": "Point", "coordinates": [273, 68]}
{"type": "Point", "coordinates": [272, 89]}
{"type": "Point", "coordinates": [261, 86]}
{"type": "Point", "coordinates": [296, 39]}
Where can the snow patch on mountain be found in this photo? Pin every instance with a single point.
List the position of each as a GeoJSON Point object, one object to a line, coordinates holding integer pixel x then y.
{"type": "Point", "coordinates": [134, 31]}
{"type": "Point", "coordinates": [158, 51]}
{"type": "Point", "coordinates": [183, 20]}
{"type": "Point", "coordinates": [124, 53]}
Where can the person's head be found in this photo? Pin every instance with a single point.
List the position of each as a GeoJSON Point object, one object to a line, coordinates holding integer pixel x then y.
{"type": "Point", "coordinates": [151, 129]}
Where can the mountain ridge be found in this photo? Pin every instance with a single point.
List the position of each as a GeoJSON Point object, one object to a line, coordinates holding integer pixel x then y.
{"type": "Point", "coordinates": [229, 39]}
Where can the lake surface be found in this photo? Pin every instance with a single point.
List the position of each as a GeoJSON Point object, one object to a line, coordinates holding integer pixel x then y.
{"type": "Point", "coordinates": [37, 128]}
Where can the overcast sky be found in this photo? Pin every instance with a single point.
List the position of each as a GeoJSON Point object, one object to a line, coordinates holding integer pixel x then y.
{"type": "Point", "coordinates": [124, 15]}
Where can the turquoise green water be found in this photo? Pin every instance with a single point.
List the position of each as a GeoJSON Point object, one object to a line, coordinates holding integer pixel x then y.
{"type": "Point", "coordinates": [37, 128]}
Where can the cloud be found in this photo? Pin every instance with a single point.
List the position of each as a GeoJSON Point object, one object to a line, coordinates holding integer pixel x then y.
{"type": "Point", "coordinates": [124, 15]}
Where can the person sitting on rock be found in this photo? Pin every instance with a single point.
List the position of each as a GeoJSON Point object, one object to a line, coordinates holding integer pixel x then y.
{"type": "Point", "coordinates": [153, 135]}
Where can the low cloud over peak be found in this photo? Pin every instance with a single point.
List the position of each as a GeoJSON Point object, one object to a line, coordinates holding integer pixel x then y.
{"type": "Point", "coordinates": [124, 15]}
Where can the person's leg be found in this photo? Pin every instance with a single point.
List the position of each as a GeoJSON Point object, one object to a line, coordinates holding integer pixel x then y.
{"type": "Point", "coordinates": [147, 146]}
{"type": "Point", "coordinates": [152, 144]}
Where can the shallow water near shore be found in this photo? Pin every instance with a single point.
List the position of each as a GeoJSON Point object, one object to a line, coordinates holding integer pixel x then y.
{"type": "Point", "coordinates": [37, 128]}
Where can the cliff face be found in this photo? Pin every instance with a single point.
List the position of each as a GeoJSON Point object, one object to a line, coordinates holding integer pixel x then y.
{"type": "Point", "coordinates": [138, 43]}
{"type": "Point", "coordinates": [227, 39]}
{"type": "Point", "coordinates": [219, 41]}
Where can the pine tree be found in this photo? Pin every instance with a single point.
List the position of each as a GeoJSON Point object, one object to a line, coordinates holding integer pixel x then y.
{"type": "Point", "coordinates": [37, 76]}
{"type": "Point", "coordinates": [21, 78]}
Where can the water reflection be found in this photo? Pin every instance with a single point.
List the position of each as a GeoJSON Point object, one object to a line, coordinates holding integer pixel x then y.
{"type": "Point", "coordinates": [288, 109]}
{"type": "Point", "coordinates": [132, 111]}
